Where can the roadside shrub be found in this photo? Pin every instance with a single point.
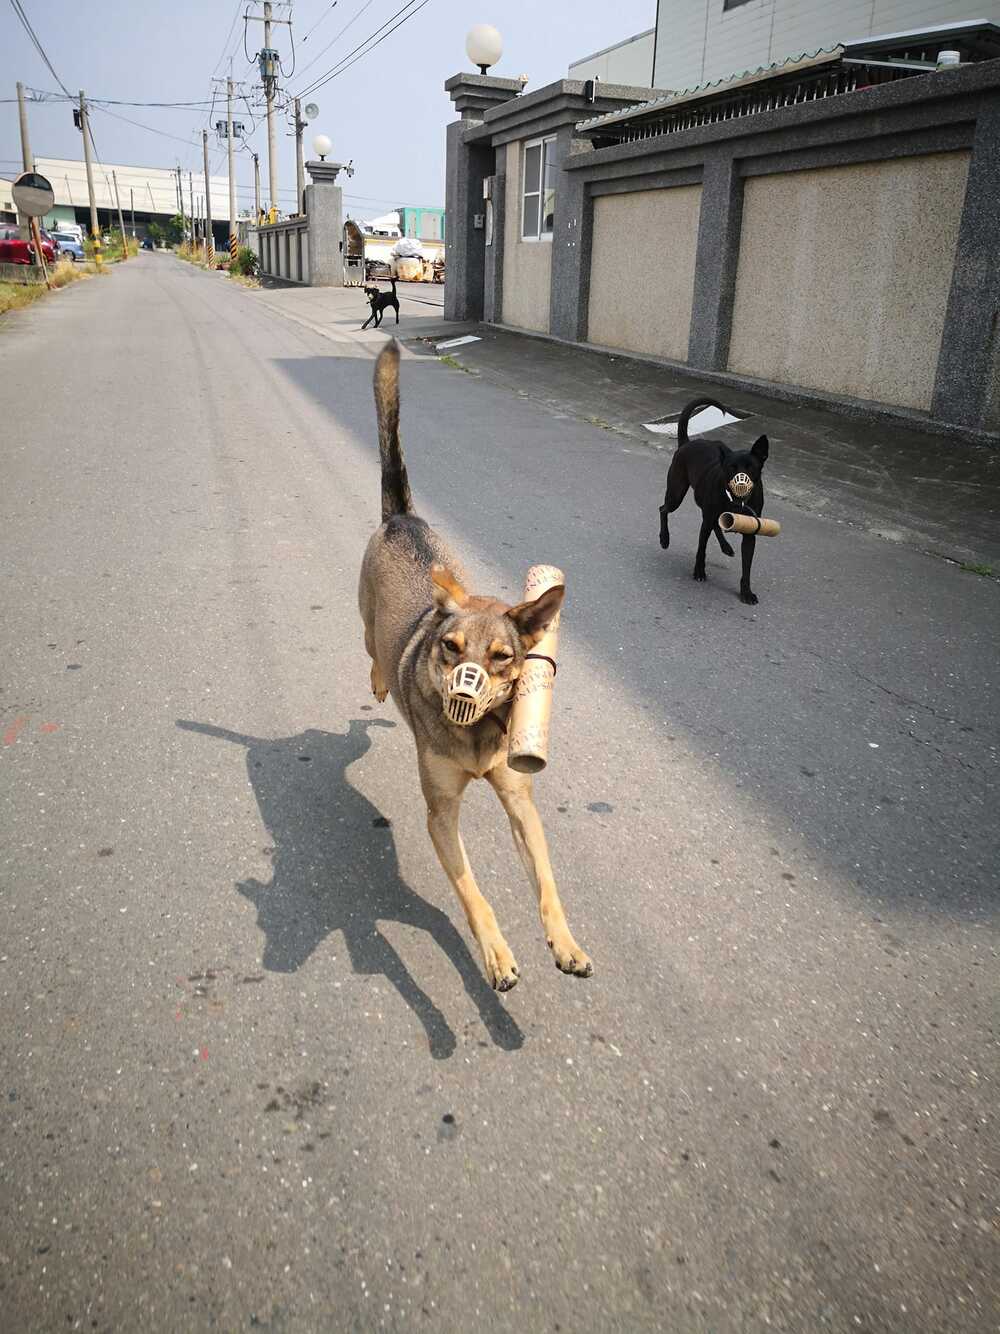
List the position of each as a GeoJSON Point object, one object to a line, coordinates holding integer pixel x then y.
{"type": "Point", "coordinates": [245, 263]}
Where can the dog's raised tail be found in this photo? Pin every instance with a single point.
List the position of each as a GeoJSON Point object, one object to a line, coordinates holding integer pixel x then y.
{"type": "Point", "coordinates": [695, 406]}
{"type": "Point", "coordinates": [396, 498]}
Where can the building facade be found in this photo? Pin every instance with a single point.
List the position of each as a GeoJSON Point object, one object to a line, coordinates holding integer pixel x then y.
{"type": "Point", "coordinates": [826, 230]}
{"type": "Point", "coordinates": [148, 192]}
{"type": "Point", "coordinates": [629, 62]}
{"type": "Point", "coordinates": [700, 41]}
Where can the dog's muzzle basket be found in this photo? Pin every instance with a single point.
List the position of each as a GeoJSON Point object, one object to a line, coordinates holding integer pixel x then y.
{"type": "Point", "coordinates": [469, 694]}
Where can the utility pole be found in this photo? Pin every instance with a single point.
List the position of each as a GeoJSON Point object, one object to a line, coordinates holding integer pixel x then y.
{"type": "Point", "coordinates": [209, 238]}
{"type": "Point", "coordinates": [232, 170]}
{"type": "Point", "coordinates": [300, 167]}
{"type": "Point", "coordinates": [131, 192]}
{"type": "Point", "coordinates": [269, 83]}
{"type": "Point", "coordinates": [191, 199]}
{"type": "Point", "coordinates": [180, 201]}
{"type": "Point", "coordinates": [121, 220]}
{"type": "Point", "coordinates": [256, 187]}
{"type": "Point", "coordinates": [95, 230]}
{"type": "Point", "coordinates": [27, 160]}
{"type": "Point", "coordinates": [268, 58]}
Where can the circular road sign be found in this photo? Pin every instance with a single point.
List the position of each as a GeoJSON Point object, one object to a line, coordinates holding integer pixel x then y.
{"type": "Point", "coordinates": [33, 195]}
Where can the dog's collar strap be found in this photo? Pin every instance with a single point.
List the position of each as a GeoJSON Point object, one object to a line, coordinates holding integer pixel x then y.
{"type": "Point", "coordinates": [543, 657]}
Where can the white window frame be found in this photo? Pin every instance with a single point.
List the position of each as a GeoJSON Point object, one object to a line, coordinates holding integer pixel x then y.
{"type": "Point", "coordinates": [546, 144]}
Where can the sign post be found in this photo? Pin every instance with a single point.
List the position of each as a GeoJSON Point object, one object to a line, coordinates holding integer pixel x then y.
{"type": "Point", "coordinates": [33, 198]}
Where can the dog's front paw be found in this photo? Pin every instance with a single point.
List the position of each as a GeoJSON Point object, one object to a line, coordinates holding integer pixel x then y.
{"type": "Point", "coordinates": [699, 574]}
{"type": "Point", "coordinates": [749, 598]}
{"type": "Point", "coordinates": [569, 957]}
{"type": "Point", "coordinates": [501, 970]}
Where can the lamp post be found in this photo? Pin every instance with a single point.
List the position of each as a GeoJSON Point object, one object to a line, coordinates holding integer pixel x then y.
{"type": "Point", "coordinates": [322, 145]}
{"type": "Point", "coordinates": [484, 46]}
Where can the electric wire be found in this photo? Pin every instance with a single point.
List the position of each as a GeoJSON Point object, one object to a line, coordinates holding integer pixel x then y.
{"type": "Point", "coordinates": [333, 40]}
{"type": "Point", "coordinates": [139, 125]}
{"type": "Point", "coordinates": [19, 10]}
{"type": "Point", "coordinates": [325, 15]}
{"type": "Point", "coordinates": [345, 64]}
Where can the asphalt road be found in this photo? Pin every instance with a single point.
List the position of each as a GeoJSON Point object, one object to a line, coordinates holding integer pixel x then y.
{"type": "Point", "coordinates": [250, 1073]}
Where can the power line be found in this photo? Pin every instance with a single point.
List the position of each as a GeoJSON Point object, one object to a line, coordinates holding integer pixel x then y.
{"type": "Point", "coordinates": [334, 40]}
{"type": "Point", "coordinates": [325, 15]}
{"type": "Point", "coordinates": [139, 125]}
{"type": "Point", "coordinates": [19, 11]}
{"type": "Point", "coordinates": [345, 64]}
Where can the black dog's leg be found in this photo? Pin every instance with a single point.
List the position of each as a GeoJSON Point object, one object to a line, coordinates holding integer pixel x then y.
{"type": "Point", "coordinates": [707, 524]}
{"type": "Point", "coordinates": [368, 320]}
{"type": "Point", "coordinates": [726, 548]}
{"type": "Point", "coordinates": [378, 317]}
{"type": "Point", "coordinates": [397, 312]}
{"type": "Point", "coordinates": [677, 487]}
{"type": "Point", "coordinates": [746, 595]}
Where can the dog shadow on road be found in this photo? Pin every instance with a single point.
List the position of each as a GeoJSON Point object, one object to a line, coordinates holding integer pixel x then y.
{"type": "Point", "coordinates": [335, 869]}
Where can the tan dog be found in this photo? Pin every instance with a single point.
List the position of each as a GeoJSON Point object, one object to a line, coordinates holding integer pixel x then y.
{"type": "Point", "coordinates": [420, 625]}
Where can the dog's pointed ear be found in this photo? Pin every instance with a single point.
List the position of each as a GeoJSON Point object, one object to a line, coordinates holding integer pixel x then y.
{"type": "Point", "coordinates": [449, 595]}
{"type": "Point", "coordinates": [532, 618]}
{"type": "Point", "coordinates": [760, 448]}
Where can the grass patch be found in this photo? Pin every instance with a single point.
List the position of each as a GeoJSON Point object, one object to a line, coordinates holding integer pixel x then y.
{"type": "Point", "coordinates": [455, 364]}
{"type": "Point", "coordinates": [16, 296]}
{"type": "Point", "coordinates": [191, 254]}
{"type": "Point", "coordinates": [987, 571]}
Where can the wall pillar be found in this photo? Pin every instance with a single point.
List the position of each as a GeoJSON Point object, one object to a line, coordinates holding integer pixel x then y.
{"type": "Point", "coordinates": [467, 166]}
{"type": "Point", "coordinates": [966, 378]}
{"type": "Point", "coordinates": [572, 233]}
{"type": "Point", "coordinates": [325, 211]}
{"type": "Point", "coordinates": [716, 263]}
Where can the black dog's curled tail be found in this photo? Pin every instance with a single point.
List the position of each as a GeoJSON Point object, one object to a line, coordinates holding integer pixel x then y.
{"type": "Point", "coordinates": [688, 413]}
{"type": "Point", "coordinates": [396, 498]}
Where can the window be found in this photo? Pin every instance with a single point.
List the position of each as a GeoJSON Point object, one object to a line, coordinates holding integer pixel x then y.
{"type": "Point", "coordinates": [733, 4]}
{"type": "Point", "coordinates": [539, 193]}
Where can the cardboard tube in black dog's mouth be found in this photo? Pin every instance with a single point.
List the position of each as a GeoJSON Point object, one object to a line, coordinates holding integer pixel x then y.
{"type": "Point", "coordinates": [746, 523]}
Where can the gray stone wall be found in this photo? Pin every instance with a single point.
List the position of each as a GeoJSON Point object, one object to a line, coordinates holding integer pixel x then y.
{"type": "Point", "coordinates": [844, 274]}
{"type": "Point", "coordinates": [642, 270]}
{"type": "Point", "coordinates": [845, 247]}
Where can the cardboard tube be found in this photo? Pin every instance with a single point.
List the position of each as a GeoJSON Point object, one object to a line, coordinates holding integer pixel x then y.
{"type": "Point", "coordinates": [746, 523]}
{"type": "Point", "coordinates": [528, 726]}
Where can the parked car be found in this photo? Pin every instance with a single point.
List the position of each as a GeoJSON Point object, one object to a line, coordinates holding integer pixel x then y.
{"type": "Point", "coordinates": [13, 250]}
{"type": "Point", "coordinates": [71, 229]}
{"type": "Point", "coordinates": [70, 248]}
{"type": "Point", "coordinates": [147, 244]}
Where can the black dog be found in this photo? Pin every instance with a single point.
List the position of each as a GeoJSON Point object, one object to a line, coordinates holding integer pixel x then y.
{"type": "Point", "coordinates": [381, 301]}
{"type": "Point", "coordinates": [711, 468]}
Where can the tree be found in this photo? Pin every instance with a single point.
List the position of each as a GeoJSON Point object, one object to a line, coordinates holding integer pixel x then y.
{"type": "Point", "coordinates": [175, 230]}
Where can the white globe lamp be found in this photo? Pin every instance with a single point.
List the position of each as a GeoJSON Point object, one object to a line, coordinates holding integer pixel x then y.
{"type": "Point", "coordinates": [322, 145]}
{"type": "Point", "coordinates": [484, 46]}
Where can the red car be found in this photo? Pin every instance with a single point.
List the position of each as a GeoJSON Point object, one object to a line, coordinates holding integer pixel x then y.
{"type": "Point", "coordinates": [15, 251]}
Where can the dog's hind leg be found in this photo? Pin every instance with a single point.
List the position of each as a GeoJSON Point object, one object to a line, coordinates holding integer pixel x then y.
{"type": "Point", "coordinates": [379, 687]}
{"type": "Point", "coordinates": [514, 791]}
{"type": "Point", "coordinates": [677, 489]}
{"type": "Point", "coordinates": [707, 524]}
{"type": "Point", "coordinates": [443, 784]}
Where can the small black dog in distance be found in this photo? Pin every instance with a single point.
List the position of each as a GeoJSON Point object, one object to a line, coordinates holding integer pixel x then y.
{"type": "Point", "coordinates": [380, 302]}
{"type": "Point", "coordinates": [711, 468]}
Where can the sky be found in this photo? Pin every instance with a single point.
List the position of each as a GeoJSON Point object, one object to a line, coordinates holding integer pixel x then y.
{"type": "Point", "coordinates": [387, 112]}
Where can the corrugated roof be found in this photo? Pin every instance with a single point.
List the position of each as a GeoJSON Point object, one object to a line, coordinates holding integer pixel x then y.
{"type": "Point", "coordinates": [732, 81]}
